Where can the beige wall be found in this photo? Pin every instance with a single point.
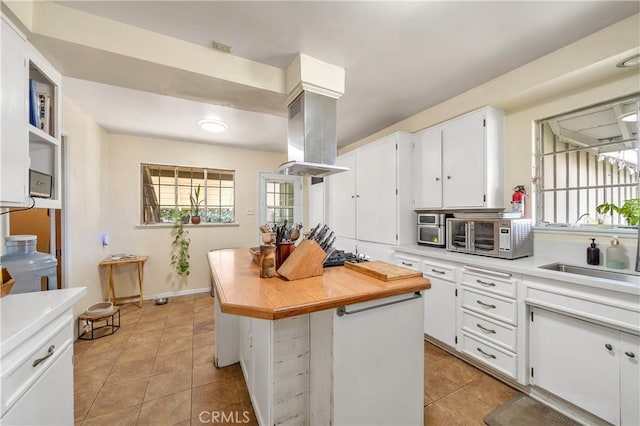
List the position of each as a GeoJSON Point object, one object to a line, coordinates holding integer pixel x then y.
{"type": "Point", "coordinates": [121, 209]}
{"type": "Point", "coordinates": [83, 207]}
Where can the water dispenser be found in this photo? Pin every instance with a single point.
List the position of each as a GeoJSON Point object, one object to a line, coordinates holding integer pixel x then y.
{"type": "Point", "coordinates": [27, 266]}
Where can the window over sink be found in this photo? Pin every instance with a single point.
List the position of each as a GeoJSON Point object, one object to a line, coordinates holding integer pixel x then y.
{"type": "Point", "coordinates": [585, 159]}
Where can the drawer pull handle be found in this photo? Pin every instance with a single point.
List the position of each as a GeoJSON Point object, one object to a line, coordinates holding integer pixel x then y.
{"type": "Point", "coordinates": [630, 354]}
{"type": "Point", "coordinates": [486, 354]}
{"type": "Point", "coordinates": [486, 330]}
{"type": "Point", "coordinates": [44, 358]}
{"type": "Point", "coordinates": [435, 271]}
{"type": "Point", "coordinates": [608, 346]}
{"type": "Point", "coordinates": [407, 264]}
{"type": "Point", "coordinates": [486, 284]}
{"type": "Point", "coordinates": [485, 304]}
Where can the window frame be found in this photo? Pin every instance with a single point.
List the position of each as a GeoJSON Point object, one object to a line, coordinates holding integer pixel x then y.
{"type": "Point", "coordinates": [607, 185]}
{"type": "Point", "coordinates": [206, 207]}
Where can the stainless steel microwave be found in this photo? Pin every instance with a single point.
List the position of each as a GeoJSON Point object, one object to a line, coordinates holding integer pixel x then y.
{"type": "Point", "coordinates": [432, 229]}
{"type": "Point", "coordinates": [503, 238]}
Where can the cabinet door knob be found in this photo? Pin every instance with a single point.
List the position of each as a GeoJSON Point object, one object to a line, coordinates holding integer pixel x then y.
{"type": "Point", "coordinates": [630, 354]}
{"type": "Point", "coordinates": [608, 346]}
{"type": "Point", "coordinates": [448, 177]}
{"type": "Point", "coordinates": [437, 179]}
{"type": "Point", "coordinates": [357, 196]}
{"type": "Point", "coordinates": [353, 196]}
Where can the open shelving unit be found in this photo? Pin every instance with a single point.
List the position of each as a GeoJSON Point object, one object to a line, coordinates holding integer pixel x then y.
{"type": "Point", "coordinates": [30, 122]}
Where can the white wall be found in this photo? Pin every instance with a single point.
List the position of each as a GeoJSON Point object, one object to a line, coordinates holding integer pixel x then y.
{"type": "Point", "coordinates": [121, 209]}
{"type": "Point", "coordinates": [85, 163]}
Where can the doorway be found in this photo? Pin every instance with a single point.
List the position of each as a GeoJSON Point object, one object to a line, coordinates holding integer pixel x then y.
{"type": "Point", "coordinates": [280, 198]}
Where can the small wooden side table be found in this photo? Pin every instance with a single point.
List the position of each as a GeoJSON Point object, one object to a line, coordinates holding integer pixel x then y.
{"type": "Point", "coordinates": [139, 260]}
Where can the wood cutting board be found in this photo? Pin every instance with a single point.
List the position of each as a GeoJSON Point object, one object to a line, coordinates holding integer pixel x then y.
{"type": "Point", "coordinates": [383, 271]}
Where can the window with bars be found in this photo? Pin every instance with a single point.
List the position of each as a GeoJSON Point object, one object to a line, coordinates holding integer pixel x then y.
{"type": "Point", "coordinates": [584, 159]}
{"type": "Point", "coordinates": [167, 191]}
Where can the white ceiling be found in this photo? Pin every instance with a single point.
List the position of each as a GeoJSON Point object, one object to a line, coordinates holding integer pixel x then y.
{"type": "Point", "coordinates": [400, 57]}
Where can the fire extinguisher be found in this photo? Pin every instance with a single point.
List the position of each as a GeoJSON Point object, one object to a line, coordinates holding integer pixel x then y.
{"type": "Point", "coordinates": [517, 199]}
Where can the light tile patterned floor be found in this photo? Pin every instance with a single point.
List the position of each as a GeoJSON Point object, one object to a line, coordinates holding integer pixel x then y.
{"type": "Point", "coordinates": [158, 370]}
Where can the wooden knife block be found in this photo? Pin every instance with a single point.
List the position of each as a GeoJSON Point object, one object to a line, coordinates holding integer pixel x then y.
{"type": "Point", "coordinates": [304, 262]}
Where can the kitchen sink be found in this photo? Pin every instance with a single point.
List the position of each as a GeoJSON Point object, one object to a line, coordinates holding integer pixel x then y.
{"type": "Point", "coordinates": [594, 273]}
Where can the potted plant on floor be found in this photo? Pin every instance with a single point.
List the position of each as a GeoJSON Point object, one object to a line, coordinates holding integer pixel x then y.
{"type": "Point", "coordinates": [195, 205]}
{"type": "Point", "coordinates": [181, 243]}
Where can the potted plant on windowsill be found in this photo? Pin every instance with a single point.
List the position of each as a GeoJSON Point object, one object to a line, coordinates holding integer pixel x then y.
{"type": "Point", "coordinates": [195, 205]}
{"type": "Point", "coordinates": [630, 210]}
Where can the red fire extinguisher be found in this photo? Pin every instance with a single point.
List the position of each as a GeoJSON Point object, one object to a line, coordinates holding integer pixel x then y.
{"type": "Point", "coordinates": [517, 199]}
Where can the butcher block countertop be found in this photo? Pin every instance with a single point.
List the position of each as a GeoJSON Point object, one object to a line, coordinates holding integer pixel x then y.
{"type": "Point", "coordinates": [242, 292]}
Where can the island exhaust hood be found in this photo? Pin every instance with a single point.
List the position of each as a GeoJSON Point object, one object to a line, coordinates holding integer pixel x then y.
{"type": "Point", "coordinates": [311, 134]}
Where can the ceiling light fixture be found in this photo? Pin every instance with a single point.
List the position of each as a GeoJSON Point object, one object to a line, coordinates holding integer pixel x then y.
{"type": "Point", "coordinates": [629, 116]}
{"type": "Point", "coordinates": [213, 126]}
{"type": "Point", "coordinates": [631, 61]}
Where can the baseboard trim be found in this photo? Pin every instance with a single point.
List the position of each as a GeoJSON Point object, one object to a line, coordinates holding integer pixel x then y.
{"type": "Point", "coordinates": [176, 293]}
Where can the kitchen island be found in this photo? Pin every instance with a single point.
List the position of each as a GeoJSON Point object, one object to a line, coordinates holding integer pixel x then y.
{"type": "Point", "coordinates": [341, 348]}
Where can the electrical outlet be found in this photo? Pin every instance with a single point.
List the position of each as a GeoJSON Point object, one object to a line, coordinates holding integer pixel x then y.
{"type": "Point", "coordinates": [250, 212]}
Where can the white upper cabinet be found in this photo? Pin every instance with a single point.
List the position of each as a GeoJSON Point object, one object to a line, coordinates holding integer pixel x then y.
{"type": "Point", "coordinates": [373, 200]}
{"type": "Point", "coordinates": [459, 163]}
{"type": "Point", "coordinates": [342, 194]}
{"type": "Point", "coordinates": [30, 123]}
{"type": "Point", "coordinates": [427, 168]}
{"type": "Point", "coordinates": [376, 184]}
{"type": "Point", "coordinates": [14, 150]}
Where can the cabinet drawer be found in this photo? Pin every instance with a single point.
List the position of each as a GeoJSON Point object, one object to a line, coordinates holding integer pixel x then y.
{"type": "Point", "coordinates": [491, 283]}
{"type": "Point", "coordinates": [408, 262]}
{"type": "Point", "coordinates": [501, 360]}
{"type": "Point", "coordinates": [436, 270]}
{"type": "Point", "coordinates": [18, 370]}
{"type": "Point", "coordinates": [493, 331]}
{"type": "Point", "coordinates": [496, 307]}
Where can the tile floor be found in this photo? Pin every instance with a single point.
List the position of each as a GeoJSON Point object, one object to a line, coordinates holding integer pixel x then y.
{"type": "Point", "coordinates": [157, 369]}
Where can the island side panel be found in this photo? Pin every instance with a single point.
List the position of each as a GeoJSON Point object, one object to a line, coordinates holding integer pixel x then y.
{"type": "Point", "coordinates": [378, 363]}
{"type": "Point", "coordinates": [227, 337]}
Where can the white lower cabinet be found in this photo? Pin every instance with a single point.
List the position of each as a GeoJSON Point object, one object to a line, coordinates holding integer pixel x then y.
{"type": "Point", "coordinates": [589, 365]}
{"type": "Point", "coordinates": [36, 358]}
{"type": "Point", "coordinates": [372, 360]}
{"type": "Point", "coordinates": [629, 379]}
{"type": "Point", "coordinates": [50, 399]}
{"type": "Point", "coordinates": [440, 302]}
{"type": "Point", "coordinates": [488, 318]}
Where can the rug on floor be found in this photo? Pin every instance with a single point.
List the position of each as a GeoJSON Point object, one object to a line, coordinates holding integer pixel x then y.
{"type": "Point", "coordinates": [524, 411]}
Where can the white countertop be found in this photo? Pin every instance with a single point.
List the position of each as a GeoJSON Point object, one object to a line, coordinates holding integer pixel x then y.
{"type": "Point", "coordinates": [525, 266]}
{"type": "Point", "coordinates": [22, 315]}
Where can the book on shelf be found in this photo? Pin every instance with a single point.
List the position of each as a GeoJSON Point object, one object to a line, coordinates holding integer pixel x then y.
{"type": "Point", "coordinates": [44, 110]}
{"type": "Point", "coordinates": [34, 105]}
